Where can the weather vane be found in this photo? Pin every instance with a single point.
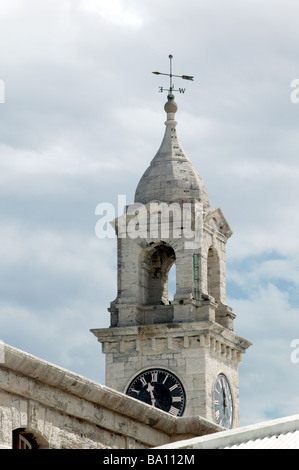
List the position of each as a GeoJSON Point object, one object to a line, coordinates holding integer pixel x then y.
{"type": "Point", "coordinates": [170, 75]}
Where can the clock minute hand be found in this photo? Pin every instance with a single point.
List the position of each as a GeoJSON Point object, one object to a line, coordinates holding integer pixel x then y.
{"type": "Point", "coordinates": [224, 396]}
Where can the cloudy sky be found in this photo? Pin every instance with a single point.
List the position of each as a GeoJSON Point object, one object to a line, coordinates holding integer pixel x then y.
{"type": "Point", "coordinates": [82, 119]}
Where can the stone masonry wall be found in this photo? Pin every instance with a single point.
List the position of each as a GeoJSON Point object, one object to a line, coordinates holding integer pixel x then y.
{"type": "Point", "coordinates": [66, 411]}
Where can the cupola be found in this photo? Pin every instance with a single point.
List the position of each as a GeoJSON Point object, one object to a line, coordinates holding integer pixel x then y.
{"type": "Point", "coordinates": [171, 176]}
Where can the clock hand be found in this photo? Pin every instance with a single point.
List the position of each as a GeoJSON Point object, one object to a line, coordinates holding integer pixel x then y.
{"type": "Point", "coordinates": [224, 395]}
{"type": "Point", "coordinates": [150, 389]}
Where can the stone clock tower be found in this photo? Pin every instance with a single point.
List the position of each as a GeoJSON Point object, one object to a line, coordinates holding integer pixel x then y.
{"type": "Point", "coordinates": [181, 355]}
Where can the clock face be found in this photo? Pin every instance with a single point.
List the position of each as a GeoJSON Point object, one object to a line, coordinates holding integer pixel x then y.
{"type": "Point", "coordinates": [223, 402]}
{"type": "Point", "coordinates": [159, 388]}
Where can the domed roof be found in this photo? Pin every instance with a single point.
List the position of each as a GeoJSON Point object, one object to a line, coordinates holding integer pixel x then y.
{"type": "Point", "coordinates": [171, 176]}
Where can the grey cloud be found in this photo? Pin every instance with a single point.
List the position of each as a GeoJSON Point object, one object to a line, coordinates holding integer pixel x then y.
{"type": "Point", "coordinates": [81, 122]}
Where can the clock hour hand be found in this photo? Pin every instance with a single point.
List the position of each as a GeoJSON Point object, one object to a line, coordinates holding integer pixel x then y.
{"type": "Point", "coordinates": [150, 389]}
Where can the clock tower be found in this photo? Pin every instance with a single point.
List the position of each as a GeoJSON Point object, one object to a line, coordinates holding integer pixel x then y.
{"type": "Point", "coordinates": [180, 355]}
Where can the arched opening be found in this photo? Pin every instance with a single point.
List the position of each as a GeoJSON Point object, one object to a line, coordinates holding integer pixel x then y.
{"type": "Point", "coordinates": [23, 438]}
{"type": "Point", "coordinates": [172, 282]}
{"type": "Point", "coordinates": [214, 274]}
{"type": "Point", "coordinates": [158, 264]}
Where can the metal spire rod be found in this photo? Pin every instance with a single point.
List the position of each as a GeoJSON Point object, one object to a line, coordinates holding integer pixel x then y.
{"type": "Point", "coordinates": [170, 75]}
{"type": "Point", "coordinates": [170, 67]}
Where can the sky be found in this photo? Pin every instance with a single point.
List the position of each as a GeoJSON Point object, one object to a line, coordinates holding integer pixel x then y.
{"type": "Point", "coordinates": [81, 117]}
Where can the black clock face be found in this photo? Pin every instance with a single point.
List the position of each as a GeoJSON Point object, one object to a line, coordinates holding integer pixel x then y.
{"type": "Point", "coordinates": [223, 402]}
{"type": "Point", "coordinates": [161, 389]}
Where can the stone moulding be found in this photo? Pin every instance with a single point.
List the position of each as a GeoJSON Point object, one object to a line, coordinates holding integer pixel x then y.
{"type": "Point", "coordinates": [37, 381]}
{"type": "Point", "coordinates": [174, 336]}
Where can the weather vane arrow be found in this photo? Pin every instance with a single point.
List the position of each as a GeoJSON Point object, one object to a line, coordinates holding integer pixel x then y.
{"type": "Point", "coordinates": [170, 75]}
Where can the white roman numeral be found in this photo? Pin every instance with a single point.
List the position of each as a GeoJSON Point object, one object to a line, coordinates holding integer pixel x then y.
{"type": "Point", "coordinates": [143, 381]}
{"type": "Point", "coordinates": [173, 387]}
{"type": "Point", "coordinates": [176, 399]}
{"type": "Point", "coordinates": [155, 376]}
{"type": "Point", "coordinates": [173, 411]}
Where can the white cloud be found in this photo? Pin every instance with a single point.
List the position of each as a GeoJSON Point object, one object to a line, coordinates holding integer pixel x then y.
{"type": "Point", "coordinates": [47, 171]}
{"type": "Point", "coordinates": [55, 287]}
{"type": "Point", "coordinates": [114, 11]}
{"type": "Point", "coordinates": [268, 320]}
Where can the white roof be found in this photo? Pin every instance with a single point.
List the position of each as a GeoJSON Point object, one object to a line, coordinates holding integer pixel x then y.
{"type": "Point", "coordinates": [280, 433]}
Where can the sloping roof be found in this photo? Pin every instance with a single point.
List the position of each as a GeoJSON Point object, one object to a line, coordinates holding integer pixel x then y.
{"type": "Point", "coordinates": [282, 433]}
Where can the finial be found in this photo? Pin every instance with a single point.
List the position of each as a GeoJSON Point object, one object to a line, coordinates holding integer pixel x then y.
{"type": "Point", "coordinates": [170, 106]}
{"type": "Point", "coordinates": [171, 85]}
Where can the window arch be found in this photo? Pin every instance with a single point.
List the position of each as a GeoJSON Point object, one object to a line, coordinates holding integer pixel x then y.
{"type": "Point", "coordinates": [158, 262]}
{"type": "Point", "coordinates": [23, 438]}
